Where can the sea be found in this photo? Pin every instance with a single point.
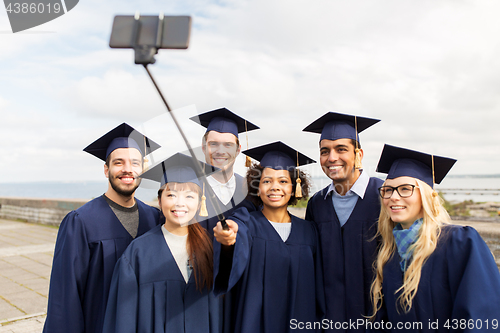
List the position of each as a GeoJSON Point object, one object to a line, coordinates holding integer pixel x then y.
{"type": "Point", "coordinates": [478, 189]}
{"type": "Point", "coordinates": [86, 190]}
{"type": "Point", "coordinates": [454, 189]}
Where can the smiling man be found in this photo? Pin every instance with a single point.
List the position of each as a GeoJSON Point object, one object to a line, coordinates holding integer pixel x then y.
{"type": "Point", "coordinates": [346, 213]}
{"type": "Point", "coordinates": [92, 238]}
{"type": "Point", "coordinates": [221, 146]}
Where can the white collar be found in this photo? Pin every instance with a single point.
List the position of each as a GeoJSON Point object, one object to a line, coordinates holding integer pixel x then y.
{"type": "Point", "coordinates": [358, 188]}
{"type": "Point", "coordinates": [231, 183]}
{"type": "Point", "coordinates": [223, 191]}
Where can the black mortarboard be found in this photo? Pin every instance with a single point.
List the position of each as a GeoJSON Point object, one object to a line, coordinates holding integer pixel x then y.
{"type": "Point", "coordinates": [224, 121]}
{"type": "Point", "coordinates": [122, 136]}
{"type": "Point", "coordinates": [179, 168]}
{"type": "Point", "coordinates": [400, 162]}
{"type": "Point", "coordinates": [334, 126]}
{"type": "Point", "coordinates": [278, 156]}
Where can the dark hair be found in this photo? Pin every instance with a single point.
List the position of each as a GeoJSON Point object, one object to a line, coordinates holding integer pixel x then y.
{"type": "Point", "coordinates": [254, 174]}
{"type": "Point", "coordinates": [355, 143]}
{"type": "Point", "coordinates": [199, 243]}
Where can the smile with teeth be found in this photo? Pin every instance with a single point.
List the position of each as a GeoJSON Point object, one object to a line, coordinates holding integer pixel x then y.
{"type": "Point", "coordinates": [275, 197]}
{"type": "Point", "coordinates": [179, 213]}
{"type": "Point", "coordinates": [127, 179]}
{"type": "Point", "coordinates": [397, 207]}
{"type": "Point", "coordinates": [334, 167]}
{"type": "Point", "coordinates": [220, 160]}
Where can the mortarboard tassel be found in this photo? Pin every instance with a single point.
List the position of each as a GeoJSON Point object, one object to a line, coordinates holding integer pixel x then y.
{"type": "Point", "coordinates": [145, 161]}
{"type": "Point", "coordinates": [433, 177]}
{"type": "Point", "coordinates": [357, 155]}
{"type": "Point", "coordinates": [357, 159]}
{"type": "Point", "coordinates": [435, 210]}
{"type": "Point", "coordinates": [298, 187]}
{"type": "Point", "coordinates": [248, 161]}
{"type": "Point", "coordinates": [203, 208]}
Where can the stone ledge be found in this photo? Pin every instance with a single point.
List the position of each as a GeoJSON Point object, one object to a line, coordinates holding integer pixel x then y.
{"type": "Point", "coordinates": [34, 210]}
{"type": "Point", "coordinates": [41, 211]}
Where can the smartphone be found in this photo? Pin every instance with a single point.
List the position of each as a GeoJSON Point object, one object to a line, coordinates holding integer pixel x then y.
{"type": "Point", "coordinates": [169, 32]}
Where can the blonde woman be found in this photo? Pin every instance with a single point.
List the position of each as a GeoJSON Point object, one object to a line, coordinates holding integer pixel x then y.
{"type": "Point", "coordinates": [431, 276]}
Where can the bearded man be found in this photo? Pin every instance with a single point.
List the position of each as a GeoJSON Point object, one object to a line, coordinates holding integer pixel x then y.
{"type": "Point", "coordinates": [92, 238]}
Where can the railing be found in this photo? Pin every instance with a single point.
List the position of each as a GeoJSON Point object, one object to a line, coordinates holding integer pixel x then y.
{"type": "Point", "coordinates": [469, 191]}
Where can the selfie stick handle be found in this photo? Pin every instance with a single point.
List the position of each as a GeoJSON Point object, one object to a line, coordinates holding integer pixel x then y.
{"type": "Point", "coordinates": [214, 202]}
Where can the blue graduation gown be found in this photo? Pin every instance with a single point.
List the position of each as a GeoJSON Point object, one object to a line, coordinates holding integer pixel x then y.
{"type": "Point", "coordinates": [271, 281]}
{"type": "Point", "coordinates": [149, 294]}
{"type": "Point", "coordinates": [348, 254]}
{"type": "Point", "coordinates": [89, 242]}
{"type": "Point", "coordinates": [238, 200]}
{"type": "Point", "coordinates": [460, 280]}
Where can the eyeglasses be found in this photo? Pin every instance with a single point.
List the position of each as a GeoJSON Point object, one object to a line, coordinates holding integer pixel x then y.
{"type": "Point", "coordinates": [404, 191]}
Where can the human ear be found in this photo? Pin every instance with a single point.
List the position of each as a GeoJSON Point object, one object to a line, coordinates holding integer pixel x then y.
{"type": "Point", "coordinates": [106, 170]}
{"type": "Point", "coordinates": [361, 153]}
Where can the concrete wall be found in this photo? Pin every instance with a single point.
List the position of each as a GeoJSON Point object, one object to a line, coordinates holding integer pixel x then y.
{"type": "Point", "coordinates": [33, 210]}
{"type": "Point", "coordinates": [52, 211]}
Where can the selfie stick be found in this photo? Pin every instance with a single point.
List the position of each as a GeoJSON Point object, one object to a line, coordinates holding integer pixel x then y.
{"type": "Point", "coordinates": [218, 211]}
{"type": "Point", "coordinates": [144, 55]}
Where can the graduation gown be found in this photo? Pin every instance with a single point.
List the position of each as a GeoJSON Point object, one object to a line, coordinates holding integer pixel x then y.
{"type": "Point", "coordinates": [271, 281]}
{"type": "Point", "coordinates": [460, 281]}
{"type": "Point", "coordinates": [89, 242]}
{"type": "Point", "coordinates": [149, 294]}
{"type": "Point", "coordinates": [348, 254]}
{"type": "Point", "coordinates": [238, 200]}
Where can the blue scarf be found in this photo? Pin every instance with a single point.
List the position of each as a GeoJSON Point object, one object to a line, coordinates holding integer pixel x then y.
{"type": "Point", "coordinates": [404, 240]}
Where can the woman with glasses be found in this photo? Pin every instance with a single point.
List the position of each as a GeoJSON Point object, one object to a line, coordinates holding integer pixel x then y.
{"type": "Point", "coordinates": [431, 276]}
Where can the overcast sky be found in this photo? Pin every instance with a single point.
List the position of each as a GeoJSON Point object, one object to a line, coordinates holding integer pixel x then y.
{"type": "Point", "coordinates": [430, 70]}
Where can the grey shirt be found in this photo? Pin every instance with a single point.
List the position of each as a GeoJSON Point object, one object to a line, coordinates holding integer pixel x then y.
{"type": "Point", "coordinates": [128, 216]}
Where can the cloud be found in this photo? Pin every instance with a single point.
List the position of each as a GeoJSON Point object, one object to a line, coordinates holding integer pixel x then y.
{"type": "Point", "coordinates": [429, 70]}
{"type": "Point", "coordinates": [116, 94]}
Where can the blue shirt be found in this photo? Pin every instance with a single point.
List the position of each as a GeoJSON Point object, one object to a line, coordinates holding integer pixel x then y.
{"type": "Point", "coordinates": [344, 204]}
